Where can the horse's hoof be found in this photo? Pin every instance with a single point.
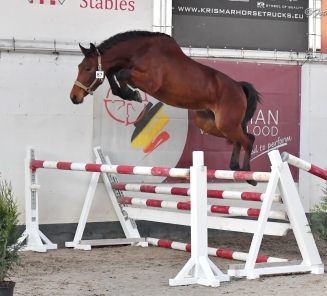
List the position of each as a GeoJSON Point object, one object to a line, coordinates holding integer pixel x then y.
{"type": "Point", "coordinates": [252, 182]}
{"type": "Point", "coordinates": [137, 96]}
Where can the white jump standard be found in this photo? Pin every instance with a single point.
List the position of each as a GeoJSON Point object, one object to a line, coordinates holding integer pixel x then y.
{"type": "Point", "coordinates": [199, 269]}
{"type": "Point", "coordinates": [35, 239]}
{"type": "Point", "coordinates": [281, 177]}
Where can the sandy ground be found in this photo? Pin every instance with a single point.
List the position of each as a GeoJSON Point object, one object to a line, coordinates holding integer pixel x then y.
{"type": "Point", "coordinates": [126, 270]}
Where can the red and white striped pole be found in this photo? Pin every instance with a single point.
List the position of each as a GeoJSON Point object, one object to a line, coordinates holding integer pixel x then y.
{"type": "Point", "coordinates": [147, 171]}
{"type": "Point", "coordinates": [223, 194]}
{"type": "Point", "coordinates": [222, 253]}
{"type": "Point", "coordinates": [178, 205]}
{"type": "Point", "coordinates": [304, 165]}
{"type": "Point", "coordinates": [238, 175]}
{"type": "Point", "coordinates": [113, 169]}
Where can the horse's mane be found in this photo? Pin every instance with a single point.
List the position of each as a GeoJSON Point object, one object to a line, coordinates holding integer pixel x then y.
{"type": "Point", "coordinates": [121, 37]}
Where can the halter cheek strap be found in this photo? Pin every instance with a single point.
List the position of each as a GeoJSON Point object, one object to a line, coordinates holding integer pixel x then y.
{"type": "Point", "coordinates": [89, 89]}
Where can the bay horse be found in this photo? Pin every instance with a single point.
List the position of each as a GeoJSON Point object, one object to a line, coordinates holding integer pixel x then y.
{"type": "Point", "coordinates": [155, 64]}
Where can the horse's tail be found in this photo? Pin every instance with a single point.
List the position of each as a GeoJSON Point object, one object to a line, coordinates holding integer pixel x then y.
{"type": "Point", "coordinates": [253, 98]}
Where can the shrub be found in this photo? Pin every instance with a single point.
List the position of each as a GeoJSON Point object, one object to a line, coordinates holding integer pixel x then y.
{"type": "Point", "coordinates": [319, 217]}
{"type": "Point", "coordinates": [9, 246]}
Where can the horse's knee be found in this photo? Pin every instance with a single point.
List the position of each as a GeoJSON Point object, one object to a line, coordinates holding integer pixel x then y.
{"type": "Point", "coordinates": [123, 74]}
{"type": "Point", "coordinates": [251, 137]}
{"type": "Point", "coordinates": [247, 141]}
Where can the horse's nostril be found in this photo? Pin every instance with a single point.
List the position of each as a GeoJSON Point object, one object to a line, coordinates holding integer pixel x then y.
{"type": "Point", "coordinates": [74, 100]}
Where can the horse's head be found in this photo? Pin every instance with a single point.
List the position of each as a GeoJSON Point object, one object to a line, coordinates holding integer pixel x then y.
{"type": "Point", "coordinates": [90, 75]}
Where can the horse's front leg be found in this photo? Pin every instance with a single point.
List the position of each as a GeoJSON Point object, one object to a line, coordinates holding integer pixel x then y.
{"type": "Point", "coordinates": [123, 92]}
{"type": "Point", "coordinates": [142, 80]}
{"type": "Point", "coordinates": [126, 92]}
{"type": "Point", "coordinates": [115, 89]}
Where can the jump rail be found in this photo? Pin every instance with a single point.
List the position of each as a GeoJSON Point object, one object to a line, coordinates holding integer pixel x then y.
{"type": "Point", "coordinates": [304, 165]}
{"type": "Point", "coordinates": [223, 194]}
{"type": "Point", "coordinates": [222, 253]}
{"type": "Point", "coordinates": [216, 209]}
{"type": "Point", "coordinates": [113, 169]}
{"type": "Point", "coordinates": [238, 175]}
{"type": "Point", "coordinates": [147, 171]}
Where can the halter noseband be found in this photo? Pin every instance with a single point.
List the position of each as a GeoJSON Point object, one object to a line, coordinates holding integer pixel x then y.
{"type": "Point", "coordinates": [89, 89]}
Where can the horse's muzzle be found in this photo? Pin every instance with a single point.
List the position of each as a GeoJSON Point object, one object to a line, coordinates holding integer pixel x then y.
{"type": "Point", "coordinates": [75, 100]}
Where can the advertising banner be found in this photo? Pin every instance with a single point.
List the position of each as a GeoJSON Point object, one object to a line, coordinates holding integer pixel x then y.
{"type": "Point", "coordinates": [158, 135]}
{"type": "Point", "coordinates": [241, 24]}
{"type": "Point", "coordinates": [323, 15]}
{"type": "Point", "coordinates": [144, 134]}
{"type": "Point", "coordinates": [275, 124]}
{"type": "Point", "coordinates": [78, 20]}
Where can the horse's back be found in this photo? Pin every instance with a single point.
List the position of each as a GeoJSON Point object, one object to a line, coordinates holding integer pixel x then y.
{"type": "Point", "coordinates": [173, 55]}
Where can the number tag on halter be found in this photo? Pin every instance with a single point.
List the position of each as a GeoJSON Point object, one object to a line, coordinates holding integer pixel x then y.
{"type": "Point", "coordinates": [99, 74]}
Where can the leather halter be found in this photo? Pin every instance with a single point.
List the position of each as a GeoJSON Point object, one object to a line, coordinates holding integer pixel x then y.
{"type": "Point", "coordinates": [89, 89]}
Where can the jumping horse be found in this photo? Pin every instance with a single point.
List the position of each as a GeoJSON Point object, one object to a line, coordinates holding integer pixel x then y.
{"type": "Point", "coordinates": [155, 64]}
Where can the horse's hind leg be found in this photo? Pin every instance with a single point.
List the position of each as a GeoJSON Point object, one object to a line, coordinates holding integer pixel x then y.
{"type": "Point", "coordinates": [235, 159]}
{"type": "Point", "coordinates": [235, 134]}
{"type": "Point", "coordinates": [248, 150]}
{"type": "Point", "coordinates": [247, 143]}
{"type": "Point", "coordinates": [206, 121]}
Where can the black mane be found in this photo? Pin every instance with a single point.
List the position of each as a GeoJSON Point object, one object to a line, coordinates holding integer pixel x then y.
{"type": "Point", "coordinates": [121, 37]}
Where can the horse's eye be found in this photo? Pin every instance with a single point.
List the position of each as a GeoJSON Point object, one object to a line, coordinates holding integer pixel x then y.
{"type": "Point", "coordinates": [88, 69]}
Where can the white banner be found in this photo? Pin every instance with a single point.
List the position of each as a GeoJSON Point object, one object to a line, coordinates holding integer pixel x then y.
{"type": "Point", "coordinates": [72, 20]}
{"type": "Point", "coordinates": [143, 134]}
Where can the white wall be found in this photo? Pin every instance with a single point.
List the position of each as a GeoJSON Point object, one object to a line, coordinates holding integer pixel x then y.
{"type": "Point", "coordinates": [313, 146]}
{"type": "Point", "coordinates": [36, 110]}
{"type": "Point", "coordinates": [35, 105]}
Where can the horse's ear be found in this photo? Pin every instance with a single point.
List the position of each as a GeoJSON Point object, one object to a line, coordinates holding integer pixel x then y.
{"type": "Point", "coordinates": [83, 50]}
{"type": "Point", "coordinates": [93, 49]}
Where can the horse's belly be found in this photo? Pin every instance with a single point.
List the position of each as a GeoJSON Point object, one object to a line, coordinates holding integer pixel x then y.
{"type": "Point", "coordinates": [187, 102]}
